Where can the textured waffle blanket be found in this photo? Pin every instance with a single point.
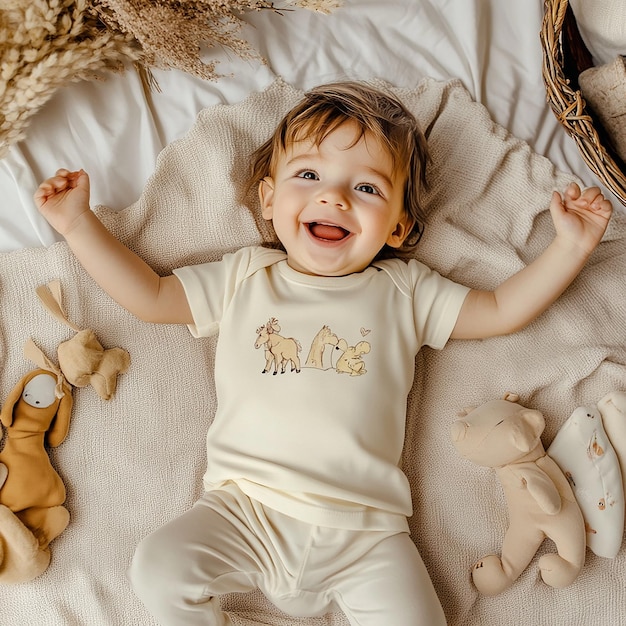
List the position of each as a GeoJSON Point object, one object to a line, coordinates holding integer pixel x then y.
{"type": "Point", "coordinates": [132, 463]}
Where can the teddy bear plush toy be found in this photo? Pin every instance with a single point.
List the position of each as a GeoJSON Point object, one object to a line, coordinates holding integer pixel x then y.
{"type": "Point", "coordinates": [506, 436]}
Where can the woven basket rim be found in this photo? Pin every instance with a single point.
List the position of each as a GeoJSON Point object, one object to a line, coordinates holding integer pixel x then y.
{"type": "Point", "coordinates": [570, 107]}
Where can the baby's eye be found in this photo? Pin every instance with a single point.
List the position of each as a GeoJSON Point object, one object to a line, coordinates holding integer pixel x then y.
{"type": "Point", "coordinates": [308, 175]}
{"type": "Point", "coordinates": [367, 188]}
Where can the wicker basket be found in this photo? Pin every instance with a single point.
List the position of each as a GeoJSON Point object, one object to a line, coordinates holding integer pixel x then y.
{"type": "Point", "coordinates": [564, 57]}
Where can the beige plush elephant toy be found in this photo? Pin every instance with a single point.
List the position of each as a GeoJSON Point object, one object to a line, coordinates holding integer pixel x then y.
{"type": "Point", "coordinates": [506, 436]}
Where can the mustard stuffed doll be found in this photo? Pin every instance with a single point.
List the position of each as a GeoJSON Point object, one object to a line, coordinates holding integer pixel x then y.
{"type": "Point", "coordinates": [35, 414]}
{"type": "Point", "coordinates": [32, 496]}
{"type": "Point", "coordinates": [504, 435]}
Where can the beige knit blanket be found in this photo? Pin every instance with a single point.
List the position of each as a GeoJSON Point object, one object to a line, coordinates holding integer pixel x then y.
{"type": "Point", "coordinates": [136, 461]}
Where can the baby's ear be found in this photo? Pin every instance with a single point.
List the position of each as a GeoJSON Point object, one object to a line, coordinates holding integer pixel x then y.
{"type": "Point", "coordinates": [401, 231]}
{"type": "Point", "coordinates": [266, 195]}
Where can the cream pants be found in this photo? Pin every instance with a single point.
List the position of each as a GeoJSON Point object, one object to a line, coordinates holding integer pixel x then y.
{"type": "Point", "coordinates": [229, 543]}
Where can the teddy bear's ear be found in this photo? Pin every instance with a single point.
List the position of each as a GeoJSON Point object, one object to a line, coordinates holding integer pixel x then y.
{"type": "Point", "coordinates": [527, 431]}
{"type": "Point", "coordinates": [465, 411]}
{"type": "Point", "coordinates": [534, 419]}
{"type": "Point", "coordinates": [458, 430]}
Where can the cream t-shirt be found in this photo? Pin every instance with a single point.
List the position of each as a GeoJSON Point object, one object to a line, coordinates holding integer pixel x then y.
{"type": "Point", "coordinates": [312, 376]}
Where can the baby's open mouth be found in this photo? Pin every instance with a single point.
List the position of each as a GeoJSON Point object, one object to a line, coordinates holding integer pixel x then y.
{"type": "Point", "coordinates": [328, 232]}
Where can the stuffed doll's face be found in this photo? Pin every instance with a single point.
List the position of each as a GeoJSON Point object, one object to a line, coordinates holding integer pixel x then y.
{"type": "Point", "coordinates": [39, 391]}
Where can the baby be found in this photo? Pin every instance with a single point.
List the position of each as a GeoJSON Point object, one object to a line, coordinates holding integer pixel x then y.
{"type": "Point", "coordinates": [303, 496]}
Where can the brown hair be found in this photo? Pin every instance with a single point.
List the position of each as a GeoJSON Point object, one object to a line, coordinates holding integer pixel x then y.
{"type": "Point", "coordinates": [376, 112]}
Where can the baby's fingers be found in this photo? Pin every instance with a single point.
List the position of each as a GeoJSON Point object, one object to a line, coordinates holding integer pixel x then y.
{"type": "Point", "coordinates": [593, 199]}
{"type": "Point", "coordinates": [589, 199]}
{"type": "Point", "coordinates": [61, 181]}
{"type": "Point", "coordinates": [591, 194]}
{"type": "Point", "coordinates": [55, 184]}
{"type": "Point", "coordinates": [572, 192]}
{"type": "Point", "coordinates": [601, 205]}
{"type": "Point", "coordinates": [45, 190]}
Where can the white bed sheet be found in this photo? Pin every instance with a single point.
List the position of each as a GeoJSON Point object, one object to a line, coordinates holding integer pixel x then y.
{"type": "Point", "coordinates": [115, 130]}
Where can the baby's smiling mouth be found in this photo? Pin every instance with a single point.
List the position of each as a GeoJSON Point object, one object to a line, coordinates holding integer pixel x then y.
{"type": "Point", "coordinates": [327, 232]}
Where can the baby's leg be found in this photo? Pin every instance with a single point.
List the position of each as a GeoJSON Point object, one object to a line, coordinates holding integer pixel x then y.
{"type": "Point", "coordinates": [178, 570]}
{"type": "Point", "coordinates": [390, 585]}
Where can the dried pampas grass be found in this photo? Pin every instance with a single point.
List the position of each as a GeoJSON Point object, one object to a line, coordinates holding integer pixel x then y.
{"type": "Point", "coordinates": [45, 44]}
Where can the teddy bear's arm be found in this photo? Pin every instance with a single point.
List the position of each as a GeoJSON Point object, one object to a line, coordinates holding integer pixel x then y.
{"type": "Point", "coordinates": [541, 487]}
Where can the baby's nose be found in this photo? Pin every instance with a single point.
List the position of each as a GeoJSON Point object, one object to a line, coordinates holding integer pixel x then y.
{"type": "Point", "coordinates": [334, 197]}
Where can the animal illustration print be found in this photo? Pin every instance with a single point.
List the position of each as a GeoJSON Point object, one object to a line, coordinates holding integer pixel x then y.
{"type": "Point", "coordinates": [327, 352]}
{"type": "Point", "coordinates": [279, 350]}
{"type": "Point", "coordinates": [325, 337]}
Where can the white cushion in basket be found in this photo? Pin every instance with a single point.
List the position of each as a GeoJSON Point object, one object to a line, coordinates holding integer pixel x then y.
{"type": "Point", "coordinates": [602, 26]}
{"type": "Point", "coordinates": [584, 453]}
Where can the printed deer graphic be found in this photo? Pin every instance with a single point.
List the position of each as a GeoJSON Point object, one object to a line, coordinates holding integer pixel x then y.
{"type": "Point", "coordinates": [279, 350]}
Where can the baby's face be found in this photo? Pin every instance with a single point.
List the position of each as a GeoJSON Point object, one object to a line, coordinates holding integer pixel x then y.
{"type": "Point", "coordinates": [334, 206]}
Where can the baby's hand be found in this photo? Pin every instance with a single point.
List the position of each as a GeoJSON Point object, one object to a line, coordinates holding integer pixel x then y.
{"type": "Point", "coordinates": [581, 217]}
{"type": "Point", "coordinates": [63, 198]}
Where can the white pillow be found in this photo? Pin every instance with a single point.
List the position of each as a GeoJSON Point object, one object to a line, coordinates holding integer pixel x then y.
{"type": "Point", "coordinates": [585, 455]}
{"type": "Point", "coordinates": [602, 26]}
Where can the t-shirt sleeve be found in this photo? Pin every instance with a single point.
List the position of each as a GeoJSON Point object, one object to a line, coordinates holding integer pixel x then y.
{"type": "Point", "coordinates": [437, 302]}
{"type": "Point", "coordinates": [210, 287]}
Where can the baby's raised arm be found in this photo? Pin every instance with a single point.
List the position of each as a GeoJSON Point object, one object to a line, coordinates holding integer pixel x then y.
{"type": "Point", "coordinates": [580, 219]}
{"type": "Point", "coordinates": [63, 200]}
